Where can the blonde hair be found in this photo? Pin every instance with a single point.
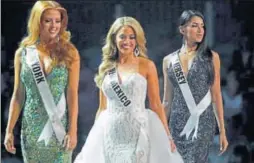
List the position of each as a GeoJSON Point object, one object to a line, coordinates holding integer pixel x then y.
{"type": "Point", "coordinates": [33, 28]}
{"type": "Point", "coordinates": [109, 59]}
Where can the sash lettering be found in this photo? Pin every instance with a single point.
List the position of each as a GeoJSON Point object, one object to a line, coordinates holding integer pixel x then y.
{"type": "Point", "coordinates": [117, 88]}
{"type": "Point", "coordinates": [36, 68]}
{"type": "Point", "coordinates": [179, 73]}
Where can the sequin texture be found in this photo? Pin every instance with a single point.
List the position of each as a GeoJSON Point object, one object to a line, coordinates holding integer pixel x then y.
{"type": "Point", "coordinates": [198, 78]}
{"type": "Point", "coordinates": [34, 117]}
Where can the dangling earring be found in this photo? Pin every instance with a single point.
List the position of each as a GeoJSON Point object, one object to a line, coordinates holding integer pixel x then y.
{"type": "Point", "coordinates": [58, 38]}
{"type": "Point", "coordinates": [37, 41]}
{"type": "Point", "coordinates": [136, 51]}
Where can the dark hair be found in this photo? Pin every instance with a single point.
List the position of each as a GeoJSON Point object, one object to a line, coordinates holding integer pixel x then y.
{"type": "Point", "coordinates": [203, 51]}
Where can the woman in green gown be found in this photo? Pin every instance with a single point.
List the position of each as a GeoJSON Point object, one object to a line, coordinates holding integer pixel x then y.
{"type": "Point", "coordinates": [49, 130]}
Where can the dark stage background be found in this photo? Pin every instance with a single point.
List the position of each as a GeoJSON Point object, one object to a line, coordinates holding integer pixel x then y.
{"type": "Point", "coordinates": [230, 31]}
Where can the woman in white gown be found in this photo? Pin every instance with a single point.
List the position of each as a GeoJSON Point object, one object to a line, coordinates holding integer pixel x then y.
{"type": "Point", "coordinates": [124, 130]}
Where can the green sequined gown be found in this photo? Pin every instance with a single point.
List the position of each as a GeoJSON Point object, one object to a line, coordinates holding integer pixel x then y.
{"type": "Point", "coordinates": [34, 117]}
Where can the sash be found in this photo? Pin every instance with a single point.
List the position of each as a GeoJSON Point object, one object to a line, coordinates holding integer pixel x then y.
{"type": "Point", "coordinates": [195, 109]}
{"type": "Point", "coordinates": [122, 97]}
{"type": "Point", "coordinates": [55, 113]}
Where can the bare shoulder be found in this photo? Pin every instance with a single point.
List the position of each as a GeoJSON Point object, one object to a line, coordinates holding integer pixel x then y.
{"type": "Point", "coordinates": [146, 63]}
{"type": "Point", "coordinates": [167, 58]}
{"type": "Point", "coordinates": [73, 50]}
{"type": "Point", "coordinates": [19, 51]}
{"type": "Point", "coordinates": [146, 66]}
{"type": "Point", "coordinates": [18, 54]}
{"type": "Point", "coordinates": [216, 57]}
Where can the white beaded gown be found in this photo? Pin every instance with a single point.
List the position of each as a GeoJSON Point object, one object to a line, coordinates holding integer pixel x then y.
{"type": "Point", "coordinates": [131, 134]}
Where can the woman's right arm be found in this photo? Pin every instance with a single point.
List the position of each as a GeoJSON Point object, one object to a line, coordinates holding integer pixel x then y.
{"type": "Point", "coordinates": [168, 89]}
{"type": "Point", "coordinates": [102, 103]}
{"type": "Point", "coordinates": [16, 103]}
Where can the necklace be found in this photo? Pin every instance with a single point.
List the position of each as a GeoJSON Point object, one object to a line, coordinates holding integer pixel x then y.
{"type": "Point", "coordinates": [188, 51]}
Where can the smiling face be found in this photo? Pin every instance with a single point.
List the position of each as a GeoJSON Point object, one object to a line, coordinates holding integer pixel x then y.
{"type": "Point", "coordinates": [125, 40]}
{"type": "Point", "coordinates": [193, 31]}
{"type": "Point", "coordinates": [50, 24]}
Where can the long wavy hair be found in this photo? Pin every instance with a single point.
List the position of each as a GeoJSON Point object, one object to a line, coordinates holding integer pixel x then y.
{"type": "Point", "coordinates": [203, 51]}
{"type": "Point", "coordinates": [63, 48]}
{"type": "Point", "coordinates": [109, 50]}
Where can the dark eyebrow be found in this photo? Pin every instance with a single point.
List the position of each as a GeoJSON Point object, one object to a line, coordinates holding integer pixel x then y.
{"type": "Point", "coordinates": [197, 23]}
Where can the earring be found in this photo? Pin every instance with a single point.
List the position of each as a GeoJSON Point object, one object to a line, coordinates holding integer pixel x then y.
{"type": "Point", "coordinates": [58, 38]}
{"type": "Point", "coordinates": [37, 41]}
{"type": "Point", "coordinates": [136, 52]}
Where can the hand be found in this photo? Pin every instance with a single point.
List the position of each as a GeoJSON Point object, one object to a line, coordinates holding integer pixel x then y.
{"type": "Point", "coordinates": [9, 143]}
{"type": "Point", "coordinates": [70, 141]}
{"type": "Point", "coordinates": [223, 143]}
{"type": "Point", "coordinates": [172, 145]}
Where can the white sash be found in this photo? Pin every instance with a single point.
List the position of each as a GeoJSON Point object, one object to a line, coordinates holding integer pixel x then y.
{"type": "Point", "coordinates": [55, 113]}
{"type": "Point", "coordinates": [195, 109]}
{"type": "Point", "coordinates": [123, 99]}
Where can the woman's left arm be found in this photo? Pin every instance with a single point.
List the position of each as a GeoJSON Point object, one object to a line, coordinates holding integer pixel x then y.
{"type": "Point", "coordinates": [217, 102]}
{"type": "Point", "coordinates": [72, 101]}
{"type": "Point", "coordinates": [216, 92]}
